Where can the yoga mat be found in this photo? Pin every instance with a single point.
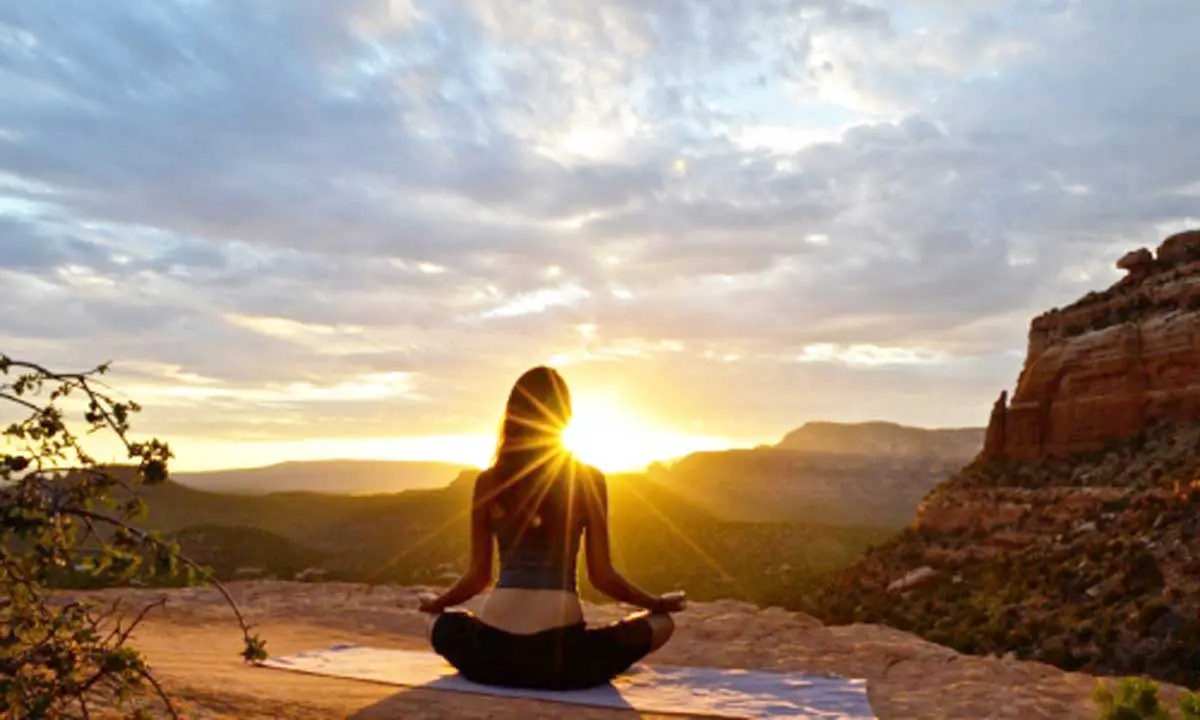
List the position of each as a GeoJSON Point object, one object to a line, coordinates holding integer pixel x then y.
{"type": "Point", "coordinates": [663, 689]}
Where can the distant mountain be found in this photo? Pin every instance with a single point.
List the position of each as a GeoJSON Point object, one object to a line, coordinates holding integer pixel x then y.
{"type": "Point", "coordinates": [659, 537]}
{"type": "Point", "coordinates": [885, 439]}
{"type": "Point", "coordinates": [872, 473]}
{"type": "Point", "coordinates": [339, 477]}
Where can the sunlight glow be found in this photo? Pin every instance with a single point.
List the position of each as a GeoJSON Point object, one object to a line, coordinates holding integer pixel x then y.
{"type": "Point", "coordinates": [604, 432]}
{"type": "Point", "coordinates": [198, 454]}
{"type": "Point", "coordinates": [615, 438]}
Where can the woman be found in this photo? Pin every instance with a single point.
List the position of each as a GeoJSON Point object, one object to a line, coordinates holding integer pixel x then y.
{"type": "Point", "coordinates": [536, 504]}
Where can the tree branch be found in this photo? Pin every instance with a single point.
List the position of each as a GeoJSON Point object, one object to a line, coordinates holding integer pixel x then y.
{"type": "Point", "coordinates": [66, 506]}
{"type": "Point", "coordinates": [161, 693]}
{"type": "Point", "coordinates": [20, 401]}
{"type": "Point", "coordinates": [149, 539]}
{"type": "Point", "coordinates": [124, 635]}
{"type": "Point", "coordinates": [49, 374]}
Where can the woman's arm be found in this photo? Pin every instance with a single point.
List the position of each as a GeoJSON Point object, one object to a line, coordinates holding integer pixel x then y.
{"type": "Point", "coordinates": [601, 572]}
{"type": "Point", "coordinates": [479, 569]}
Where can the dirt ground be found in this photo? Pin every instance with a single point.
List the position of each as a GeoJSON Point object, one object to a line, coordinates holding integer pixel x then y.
{"type": "Point", "coordinates": [193, 647]}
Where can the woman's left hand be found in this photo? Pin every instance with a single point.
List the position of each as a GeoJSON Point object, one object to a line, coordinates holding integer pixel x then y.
{"type": "Point", "coordinates": [672, 602]}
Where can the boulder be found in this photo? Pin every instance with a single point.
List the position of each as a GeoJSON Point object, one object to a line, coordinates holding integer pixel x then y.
{"type": "Point", "coordinates": [1180, 246]}
{"type": "Point", "coordinates": [1136, 261]}
{"type": "Point", "coordinates": [916, 578]}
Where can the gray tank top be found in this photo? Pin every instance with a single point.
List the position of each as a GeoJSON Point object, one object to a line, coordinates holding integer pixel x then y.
{"type": "Point", "coordinates": [540, 552]}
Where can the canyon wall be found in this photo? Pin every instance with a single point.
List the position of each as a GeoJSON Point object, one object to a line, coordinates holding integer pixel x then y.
{"type": "Point", "coordinates": [1084, 560]}
{"type": "Point", "coordinates": [1111, 363]}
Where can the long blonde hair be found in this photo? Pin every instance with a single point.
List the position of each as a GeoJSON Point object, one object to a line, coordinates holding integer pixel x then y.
{"type": "Point", "coordinates": [530, 447]}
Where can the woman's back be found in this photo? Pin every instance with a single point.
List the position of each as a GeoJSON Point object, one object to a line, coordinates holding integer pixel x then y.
{"type": "Point", "coordinates": [538, 529]}
{"type": "Point", "coordinates": [538, 519]}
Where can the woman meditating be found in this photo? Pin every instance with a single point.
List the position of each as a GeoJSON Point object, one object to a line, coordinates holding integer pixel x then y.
{"type": "Point", "coordinates": [537, 503]}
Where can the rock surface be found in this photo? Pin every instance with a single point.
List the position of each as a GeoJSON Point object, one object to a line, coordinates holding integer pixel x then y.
{"type": "Point", "coordinates": [1136, 261]}
{"type": "Point", "coordinates": [921, 576]}
{"type": "Point", "coordinates": [1112, 363]}
{"type": "Point", "coordinates": [1074, 538]}
{"type": "Point", "coordinates": [1090, 565]}
{"type": "Point", "coordinates": [193, 646]}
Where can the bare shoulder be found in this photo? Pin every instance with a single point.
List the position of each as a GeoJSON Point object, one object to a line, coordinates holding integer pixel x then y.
{"type": "Point", "coordinates": [589, 473]}
{"type": "Point", "coordinates": [591, 485]}
{"type": "Point", "coordinates": [485, 480]}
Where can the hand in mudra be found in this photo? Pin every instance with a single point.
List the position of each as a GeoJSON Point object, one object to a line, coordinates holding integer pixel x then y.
{"type": "Point", "coordinates": [427, 603]}
{"type": "Point", "coordinates": [672, 602]}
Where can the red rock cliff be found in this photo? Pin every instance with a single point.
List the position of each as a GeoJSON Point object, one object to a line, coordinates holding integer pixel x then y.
{"type": "Point", "coordinates": [1111, 363]}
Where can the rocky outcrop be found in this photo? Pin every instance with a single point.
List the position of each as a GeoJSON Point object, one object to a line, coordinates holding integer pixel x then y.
{"type": "Point", "coordinates": [916, 578]}
{"type": "Point", "coordinates": [1074, 538]}
{"type": "Point", "coordinates": [1136, 262]}
{"type": "Point", "coordinates": [1112, 363]}
{"type": "Point", "coordinates": [1180, 247]}
{"type": "Point", "coordinates": [1089, 561]}
{"type": "Point", "coordinates": [997, 427]}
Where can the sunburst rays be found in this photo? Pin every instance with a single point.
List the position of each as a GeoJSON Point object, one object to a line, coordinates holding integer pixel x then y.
{"type": "Point", "coordinates": [691, 544]}
{"type": "Point", "coordinates": [535, 461]}
{"type": "Point", "coordinates": [533, 432]}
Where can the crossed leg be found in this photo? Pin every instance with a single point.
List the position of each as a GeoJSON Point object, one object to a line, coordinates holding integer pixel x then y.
{"type": "Point", "coordinates": [631, 631]}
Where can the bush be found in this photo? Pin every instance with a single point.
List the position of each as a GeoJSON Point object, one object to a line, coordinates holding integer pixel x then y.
{"type": "Point", "coordinates": [62, 512]}
{"type": "Point", "coordinates": [1137, 699]}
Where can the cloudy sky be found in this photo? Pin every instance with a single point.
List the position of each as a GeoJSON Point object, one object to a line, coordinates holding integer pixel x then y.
{"type": "Point", "coordinates": [307, 228]}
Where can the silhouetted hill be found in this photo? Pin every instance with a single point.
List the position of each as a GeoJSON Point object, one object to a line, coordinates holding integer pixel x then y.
{"type": "Point", "coordinates": [340, 477]}
{"type": "Point", "coordinates": [863, 474]}
{"type": "Point", "coordinates": [660, 538]}
{"type": "Point", "coordinates": [301, 515]}
{"type": "Point", "coordinates": [884, 439]}
{"type": "Point", "coordinates": [232, 551]}
{"type": "Point", "coordinates": [871, 473]}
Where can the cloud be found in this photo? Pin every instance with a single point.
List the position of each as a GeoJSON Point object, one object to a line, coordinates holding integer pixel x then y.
{"type": "Point", "coordinates": [765, 212]}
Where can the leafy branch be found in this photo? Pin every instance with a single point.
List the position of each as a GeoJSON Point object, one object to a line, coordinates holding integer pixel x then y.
{"type": "Point", "coordinates": [64, 517]}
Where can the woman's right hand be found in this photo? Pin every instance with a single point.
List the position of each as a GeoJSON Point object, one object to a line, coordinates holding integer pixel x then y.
{"type": "Point", "coordinates": [672, 602]}
{"type": "Point", "coordinates": [427, 603]}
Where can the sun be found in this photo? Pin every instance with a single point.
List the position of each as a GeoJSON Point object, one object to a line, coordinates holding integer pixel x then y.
{"type": "Point", "coordinates": [605, 435]}
{"type": "Point", "coordinates": [615, 438]}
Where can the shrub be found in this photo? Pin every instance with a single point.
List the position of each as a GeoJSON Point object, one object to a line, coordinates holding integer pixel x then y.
{"type": "Point", "coordinates": [1137, 699]}
{"type": "Point", "coordinates": [62, 512]}
{"type": "Point", "coordinates": [1189, 706]}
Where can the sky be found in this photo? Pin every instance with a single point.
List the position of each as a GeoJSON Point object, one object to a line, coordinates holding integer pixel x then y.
{"type": "Point", "coordinates": [313, 229]}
